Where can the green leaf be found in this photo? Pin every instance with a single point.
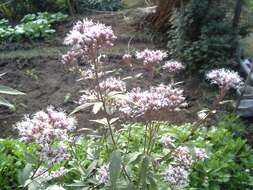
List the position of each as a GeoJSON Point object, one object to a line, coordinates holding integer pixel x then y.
{"type": "Point", "coordinates": [24, 175]}
{"type": "Point", "coordinates": [96, 107]}
{"type": "Point", "coordinates": [143, 172]}
{"type": "Point", "coordinates": [10, 91]}
{"type": "Point", "coordinates": [91, 168]}
{"type": "Point", "coordinates": [101, 121]}
{"type": "Point", "coordinates": [81, 107]}
{"type": "Point", "coordinates": [6, 103]}
{"type": "Point", "coordinates": [55, 187]}
{"type": "Point", "coordinates": [115, 168]}
{"type": "Point", "coordinates": [152, 182]}
{"type": "Point", "coordinates": [129, 187]}
{"type": "Point", "coordinates": [30, 158]}
{"type": "Point", "coordinates": [134, 157]}
{"type": "Point", "coordinates": [113, 120]}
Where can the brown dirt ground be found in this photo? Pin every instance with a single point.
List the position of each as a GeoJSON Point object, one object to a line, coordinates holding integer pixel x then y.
{"type": "Point", "coordinates": [36, 69]}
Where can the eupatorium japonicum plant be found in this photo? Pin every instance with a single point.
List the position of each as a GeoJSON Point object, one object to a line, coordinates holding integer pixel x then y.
{"type": "Point", "coordinates": [51, 131]}
{"type": "Point", "coordinates": [172, 68]}
{"type": "Point", "coordinates": [150, 59]}
{"type": "Point", "coordinates": [225, 79]}
{"type": "Point", "coordinates": [111, 158]}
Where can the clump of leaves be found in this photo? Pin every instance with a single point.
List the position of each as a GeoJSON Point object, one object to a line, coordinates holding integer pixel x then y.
{"type": "Point", "coordinates": [32, 26]}
{"type": "Point", "coordinates": [5, 90]}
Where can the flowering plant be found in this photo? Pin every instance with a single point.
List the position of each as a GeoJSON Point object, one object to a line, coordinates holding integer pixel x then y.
{"type": "Point", "coordinates": [151, 154]}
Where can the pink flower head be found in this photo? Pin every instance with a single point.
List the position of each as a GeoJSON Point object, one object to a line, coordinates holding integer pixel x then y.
{"type": "Point", "coordinates": [167, 141]}
{"type": "Point", "coordinates": [70, 58]}
{"type": "Point", "coordinates": [53, 155]}
{"type": "Point", "coordinates": [103, 174]}
{"type": "Point", "coordinates": [151, 57]}
{"type": "Point", "coordinates": [88, 35]}
{"type": "Point", "coordinates": [200, 154]}
{"type": "Point", "coordinates": [177, 176]}
{"type": "Point", "coordinates": [112, 84]}
{"type": "Point", "coordinates": [173, 67]}
{"type": "Point", "coordinates": [183, 157]}
{"type": "Point", "coordinates": [44, 173]}
{"type": "Point", "coordinates": [127, 58]}
{"type": "Point", "coordinates": [46, 126]}
{"type": "Point", "coordinates": [139, 102]}
{"type": "Point", "coordinates": [224, 78]}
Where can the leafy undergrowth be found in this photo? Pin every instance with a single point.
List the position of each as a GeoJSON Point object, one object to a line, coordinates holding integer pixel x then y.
{"type": "Point", "coordinates": [133, 99]}
{"type": "Point", "coordinates": [228, 163]}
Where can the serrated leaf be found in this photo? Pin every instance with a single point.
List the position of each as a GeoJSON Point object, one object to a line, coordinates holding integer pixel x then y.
{"type": "Point", "coordinates": [129, 187]}
{"type": "Point", "coordinates": [138, 75]}
{"type": "Point", "coordinates": [30, 158]}
{"type": "Point", "coordinates": [10, 91]}
{"type": "Point", "coordinates": [91, 168]}
{"type": "Point", "coordinates": [81, 107]}
{"type": "Point", "coordinates": [101, 121]}
{"type": "Point", "coordinates": [152, 182]}
{"type": "Point", "coordinates": [115, 168]}
{"type": "Point", "coordinates": [24, 175]}
{"type": "Point", "coordinates": [55, 187]}
{"type": "Point", "coordinates": [6, 103]}
{"type": "Point", "coordinates": [134, 157]}
{"type": "Point", "coordinates": [143, 172]}
{"type": "Point", "coordinates": [113, 120]}
{"type": "Point", "coordinates": [2, 74]}
{"type": "Point", "coordinates": [96, 107]}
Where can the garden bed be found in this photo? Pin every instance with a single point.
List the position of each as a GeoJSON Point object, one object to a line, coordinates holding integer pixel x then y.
{"type": "Point", "coordinates": [37, 71]}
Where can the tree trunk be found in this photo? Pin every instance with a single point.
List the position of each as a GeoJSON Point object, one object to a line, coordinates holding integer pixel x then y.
{"type": "Point", "coordinates": [237, 14]}
{"type": "Point", "coordinates": [160, 19]}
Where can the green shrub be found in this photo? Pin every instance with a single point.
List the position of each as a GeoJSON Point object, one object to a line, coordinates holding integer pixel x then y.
{"type": "Point", "coordinates": [32, 26]}
{"type": "Point", "coordinates": [203, 35]}
{"type": "Point", "coordinates": [228, 166]}
{"type": "Point", "coordinates": [101, 5]}
{"type": "Point", "coordinates": [19, 8]}
{"type": "Point", "coordinates": [12, 160]}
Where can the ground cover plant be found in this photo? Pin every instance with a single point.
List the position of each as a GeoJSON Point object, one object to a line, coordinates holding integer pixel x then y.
{"type": "Point", "coordinates": [32, 26]}
{"type": "Point", "coordinates": [134, 147]}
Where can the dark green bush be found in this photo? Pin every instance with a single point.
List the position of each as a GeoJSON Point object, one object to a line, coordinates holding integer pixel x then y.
{"type": "Point", "coordinates": [32, 26]}
{"type": "Point", "coordinates": [16, 9]}
{"type": "Point", "coordinates": [12, 160]}
{"type": "Point", "coordinates": [229, 164]}
{"type": "Point", "coordinates": [203, 35]}
{"type": "Point", "coordinates": [100, 5]}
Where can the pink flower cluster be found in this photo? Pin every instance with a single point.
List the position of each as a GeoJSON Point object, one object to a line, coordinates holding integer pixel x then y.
{"type": "Point", "coordinates": [173, 67]}
{"type": "Point", "coordinates": [46, 126]}
{"type": "Point", "coordinates": [151, 57]}
{"type": "Point", "coordinates": [103, 174]}
{"type": "Point", "coordinates": [49, 129]}
{"type": "Point", "coordinates": [44, 173]}
{"type": "Point", "coordinates": [112, 84]}
{"type": "Point", "coordinates": [167, 141]}
{"type": "Point", "coordinates": [224, 78]}
{"type": "Point", "coordinates": [177, 174]}
{"type": "Point", "coordinates": [53, 155]}
{"type": "Point", "coordinates": [87, 37]}
{"type": "Point", "coordinates": [163, 97]}
{"type": "Point", "coordinates": [70, 58]}
{"type": "Point", "coordinates": [127, 58]}
{"type": "Point", "coordinates": [183, 157]}
{"type": "Point", "coordinates": [88, 96]}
